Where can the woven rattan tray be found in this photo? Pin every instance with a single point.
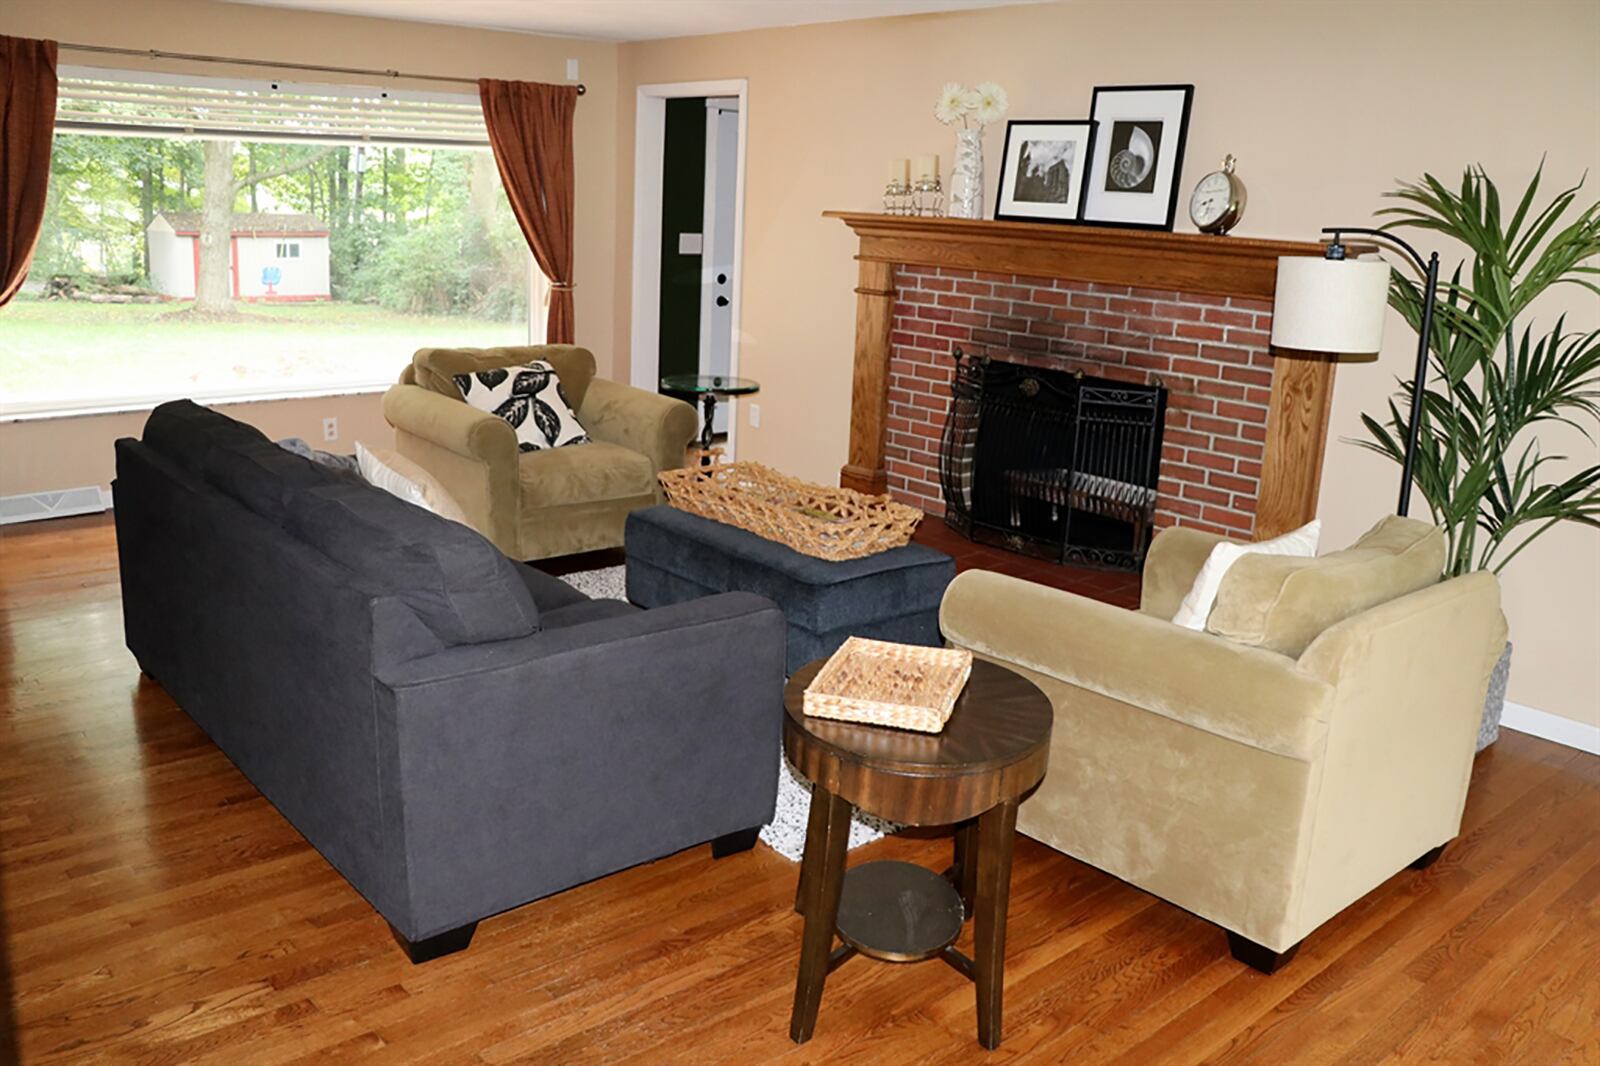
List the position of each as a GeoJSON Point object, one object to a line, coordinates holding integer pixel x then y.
{"type": "Point", "coordinates": [901, 685]}
{"type": "Point", "coordinates": [827, 523]}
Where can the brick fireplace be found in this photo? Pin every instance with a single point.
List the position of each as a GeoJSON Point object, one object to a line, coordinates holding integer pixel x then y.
{"type": "Point", "coordinates": [1245, 428]}
{"type": "Point", "coordinates": [1209, 351]}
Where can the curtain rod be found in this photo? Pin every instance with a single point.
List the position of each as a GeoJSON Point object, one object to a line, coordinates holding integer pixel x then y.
{"type": "Point", "coordinates": [156, 53]}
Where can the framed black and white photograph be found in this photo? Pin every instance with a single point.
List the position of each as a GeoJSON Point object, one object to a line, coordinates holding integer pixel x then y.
{"type": "Point", "coordinates": [1132, 179]}
{"type": "Point", "coordinates": [1042, 170]}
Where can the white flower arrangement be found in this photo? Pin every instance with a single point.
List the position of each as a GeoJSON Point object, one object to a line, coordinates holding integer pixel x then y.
{"type": "Point", "coordinates": [971, 108]}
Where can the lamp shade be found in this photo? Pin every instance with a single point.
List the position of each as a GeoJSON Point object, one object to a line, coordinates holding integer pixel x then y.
{"type": "Point", "coordinates": [1330, 305]}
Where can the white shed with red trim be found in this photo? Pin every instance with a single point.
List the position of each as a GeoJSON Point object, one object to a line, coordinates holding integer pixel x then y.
{"type": "Point", "coordinates": [273, 256]}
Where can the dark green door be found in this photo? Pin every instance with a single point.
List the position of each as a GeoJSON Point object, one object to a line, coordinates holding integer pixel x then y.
{"type": "Point", "coordinates": [683, 190]}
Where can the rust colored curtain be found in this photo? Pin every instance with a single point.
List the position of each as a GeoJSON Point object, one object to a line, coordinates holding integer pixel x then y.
{"type": "Point", "coordinates": [530, 128]}
{"type": "Point", "coordinates": [27, 124]}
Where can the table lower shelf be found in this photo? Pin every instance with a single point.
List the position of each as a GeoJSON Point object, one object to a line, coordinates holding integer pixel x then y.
{"type": "Point", "coordinates": [899, 912]}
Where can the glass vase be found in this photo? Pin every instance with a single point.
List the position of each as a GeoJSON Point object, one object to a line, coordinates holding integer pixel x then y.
{"type": "Point", "coordinates": [966, 179]}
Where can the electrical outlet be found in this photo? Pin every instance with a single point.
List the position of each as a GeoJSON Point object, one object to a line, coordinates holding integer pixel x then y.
{"type": "Point", "coordinates": [330, 429]}
{"type": "Point", "coordinates": [755, 415]}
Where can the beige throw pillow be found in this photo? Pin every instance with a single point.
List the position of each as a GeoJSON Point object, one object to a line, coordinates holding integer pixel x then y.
{"type": "Point", "coordinates": [1196, 606]}
{"type": "Point", "coordinates": [1284, 604]}
{"type": "Point", "coordinates": [399, 476]}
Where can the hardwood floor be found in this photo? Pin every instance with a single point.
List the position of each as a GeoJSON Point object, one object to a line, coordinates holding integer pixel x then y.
{"type": "Point", "coordinates": [157, 909]}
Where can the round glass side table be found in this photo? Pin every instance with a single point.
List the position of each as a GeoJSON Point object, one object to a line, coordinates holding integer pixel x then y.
{"type": "Point", "coordinates": [708, 387]}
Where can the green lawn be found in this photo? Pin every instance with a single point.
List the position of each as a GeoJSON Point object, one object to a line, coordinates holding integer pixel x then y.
{"type": "Point", "coordinates": [69, 354]}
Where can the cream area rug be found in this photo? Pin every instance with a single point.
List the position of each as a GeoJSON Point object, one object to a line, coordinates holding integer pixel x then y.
{"type": "Point", "coordinates": [786, 833]}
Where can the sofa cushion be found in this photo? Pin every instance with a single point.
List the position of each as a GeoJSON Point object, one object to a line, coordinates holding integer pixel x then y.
{"type": "Point", "coordinates": [184, 432]}
{"type": "Point", "coordinates": [1283, 603]}
{"type": "Point", "coordinates": [435, 369]}
{"type": "Point", "coordinates": [263, 476]}
{"type": "Point", "coordinates": [597, 471]}
{"type": "Point", "coordinates": [459, 584]}
{"type": "Point", "coordinates": [1202, 595]}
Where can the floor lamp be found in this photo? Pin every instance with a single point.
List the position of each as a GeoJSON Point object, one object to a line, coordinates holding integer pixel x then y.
{"type": "Point", "coordinates": [1336, 304]}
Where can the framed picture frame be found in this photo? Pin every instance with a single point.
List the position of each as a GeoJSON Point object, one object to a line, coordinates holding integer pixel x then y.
{"type": "Point", "coordinates": [1133, 177]}
{"type": "Point", "coordinates": [1042, 170]}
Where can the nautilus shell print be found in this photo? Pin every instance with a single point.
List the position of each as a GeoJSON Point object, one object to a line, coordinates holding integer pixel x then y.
{"type": "Point", "coordinates": [1131, 165]}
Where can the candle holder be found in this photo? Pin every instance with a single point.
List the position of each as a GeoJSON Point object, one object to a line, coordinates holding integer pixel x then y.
{"type": "Point", "coordinates": [897, 198]}
{"type": "Point", "coordinates": [927, 198]}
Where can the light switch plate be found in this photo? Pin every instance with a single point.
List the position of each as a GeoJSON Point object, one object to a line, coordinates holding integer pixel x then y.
{"type": "Point", "coordinates": [690, 243]}
{"type": "Point", "coordinates": [572, 70]}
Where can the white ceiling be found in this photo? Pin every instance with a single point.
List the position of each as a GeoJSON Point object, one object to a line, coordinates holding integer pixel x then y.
{"type": "Point", "coordinates": [630, 20]}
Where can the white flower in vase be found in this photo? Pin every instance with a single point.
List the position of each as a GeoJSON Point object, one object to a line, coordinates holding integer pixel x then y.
{"type": "Point", "coordinates": [990, 103]}
{"type": "Point", "coordinates": [954, 104]}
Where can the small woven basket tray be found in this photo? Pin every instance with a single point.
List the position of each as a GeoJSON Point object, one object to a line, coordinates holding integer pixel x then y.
{"type": "Point", "coordinates": [900, 685]}
{"type": "Point", "coordinates": [823, 522]}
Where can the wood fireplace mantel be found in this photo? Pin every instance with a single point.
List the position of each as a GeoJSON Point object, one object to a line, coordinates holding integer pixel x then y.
{"type": "Point", "coordinates": [1302, 385]}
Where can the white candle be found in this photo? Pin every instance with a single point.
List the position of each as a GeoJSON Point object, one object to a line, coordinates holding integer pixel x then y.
{"type": "Point", "coordinates": [927, 167]}
{"type": "Point", "coordinates": [899, 171]}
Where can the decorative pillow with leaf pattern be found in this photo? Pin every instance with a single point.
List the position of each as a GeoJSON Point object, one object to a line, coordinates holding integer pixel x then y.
{"type": "Point", "coordinates": [531, 399]}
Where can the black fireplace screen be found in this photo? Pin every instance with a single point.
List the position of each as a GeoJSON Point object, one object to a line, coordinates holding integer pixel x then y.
{"type": "Point", "coordinates": [1052, 463]}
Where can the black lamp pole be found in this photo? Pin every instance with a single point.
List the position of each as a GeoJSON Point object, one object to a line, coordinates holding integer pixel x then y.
{"type": "Point", "coordinates": [1430, 267]}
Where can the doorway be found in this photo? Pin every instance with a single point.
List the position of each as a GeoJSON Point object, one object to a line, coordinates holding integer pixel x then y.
{"type": "Point", "coordinates": [688, 227]}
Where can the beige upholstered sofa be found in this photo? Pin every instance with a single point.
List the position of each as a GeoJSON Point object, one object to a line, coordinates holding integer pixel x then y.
{"type": "Point", "coordinates": [534, 505]}
{"type": "Point", "coordinates": [1267, 772]}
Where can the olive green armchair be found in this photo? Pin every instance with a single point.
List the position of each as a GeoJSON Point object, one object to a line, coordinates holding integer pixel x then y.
{"type": "Point", "coordinates": [535, 505]}
{"type": "Point", "coordinates": [1266, 772]}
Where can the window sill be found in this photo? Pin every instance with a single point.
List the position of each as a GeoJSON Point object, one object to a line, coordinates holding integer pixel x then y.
{"type": "Point", "coordinates": [23, 413]}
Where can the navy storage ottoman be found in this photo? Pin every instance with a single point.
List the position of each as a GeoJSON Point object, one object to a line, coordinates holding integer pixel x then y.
{"type": "Point", "coordinates": [894, 595]}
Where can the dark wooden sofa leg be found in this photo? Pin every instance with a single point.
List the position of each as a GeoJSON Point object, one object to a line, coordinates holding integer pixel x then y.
{"type": "Point", "coordinates": [1429, 857]}
{"type": "Point", "coordinates": [733, 843]}
{"type": "Point", "coordinates": [446, 943]}
{"type": "Point", "coordinates": [1258, 957]}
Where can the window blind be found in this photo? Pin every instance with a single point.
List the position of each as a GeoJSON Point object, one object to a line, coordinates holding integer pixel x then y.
{"type": "Point", "coordinates": [154, 105]}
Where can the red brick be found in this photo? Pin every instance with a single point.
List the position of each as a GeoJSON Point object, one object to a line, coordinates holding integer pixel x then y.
{"type": "Point", "coordinates": [952, 272]}
{"type": "Point", "coordinates": [1183, 312]}
{"type": "Point", "coordinates": [1207, 424]}
{"type": "Point", "coordinates": [934, 314]}
{"type": "Point", "coordinates": [1258, 396]}
{"type": "Point", "coordinates": [1182, 473]}
{"type": "Point", "coordinates": [1156, 327]}
{"type": "Point", "coordinates": [1220, 389]}
{"type": "Point", "coordinates": [1205, 495]}
{"type": "Point", "coordinates": [1224, 317]}
{"type": "Point", "coordinates": [1247, 375]}
{"type": "Point", "coordinates": [1224, 355]}
{"type": "Point", "coordinates": [1068, 316]}
{"type": "Point", "coordinates": [953, 331]}
{"type": "Point", "coordinates": [1085, 335]}
{"type": "Point", "coordinates": [1203, 298]}
{"type": "Point", "coordinates": [970, 318]}
{"type": "Point", "coordinates": [1026, 342]}
{"type": "Point", "coordinates": [993, 307]}
{"type": "Point", "coordinates": [1248, 338]}
{"type": "Point", "coordinates": [1013, 292]}
{"type": "Point", "coordinates": [1045, 328]}
{"type": "Point", "coordinates": [1088, 301]}
{"type": "Point", "coordinates": [1182, 507]}
{"type": "Point", "coordinates": [1212, 461]}
{"type": "Point", "coordinates": [1174, 347]}
{"type": "Point", "coordinates": [1233, 483]}
{"type": "Point", "coordinates": [1231, 446]}
{"type": "Point", "coordinates": [1187, 402]}
{"type": "Point", "coordinates": [1105, 320]}
{"type": "Point", "coordinates": [1256, 433]}
{"type": "Point", "coordinates": [1198, 332]}
{"type": "Point", "coordinates": [1249, 303]}
{"type": "Point", "coordinates": [1159, 363]}
{"type": "Point", "coordinates": [954, 301]}
{"type": "Point", "coordinates": [1123, 339]}
{"type": "Point", "coordinates": [1128, 306]}
{"type": "Point", "coordinates": [1047, 297]}
{"type": "Point", "coordinates": [1249, 469]}
{"type": "Point", "coordinates": [987, 275]}
{"type": "Point", "coordinates": [1231, 519]}
{"type": "Point", "coordinates": [936, 285]}
{"type": "Point", "coordinates": [1242, 412]}
{"type": "Point", "coordinates": [1009, 323]}
{"type": "Point", "coordinates": [1151, 294]}
{"type": "Point", "coordinates": [914, 296]}
{"type": "Point", "coordinates": [978, 288]}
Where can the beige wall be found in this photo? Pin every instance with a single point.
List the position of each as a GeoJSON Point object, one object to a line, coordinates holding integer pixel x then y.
{"type": "Point", "coordinates": [63, 453]}
{"type": "Point", "coordinates": [1325, 103]}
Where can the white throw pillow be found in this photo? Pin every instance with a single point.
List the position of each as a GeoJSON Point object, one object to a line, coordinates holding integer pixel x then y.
{"type": "Point", "coordinates": [399, 476]}
{"type": "Point", "coordinates": [1196, 606]}
{"type": "Point", "coordinates": [531, 399]}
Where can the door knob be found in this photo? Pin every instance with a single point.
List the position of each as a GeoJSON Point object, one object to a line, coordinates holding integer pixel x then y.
{"type": "Point", "coordinates": [722, 301]}
{"type": "Point", "coordinates": [722, 279]}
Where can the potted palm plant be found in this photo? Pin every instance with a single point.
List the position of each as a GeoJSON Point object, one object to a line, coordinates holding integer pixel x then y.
{"type": "Point", "coordinates": [1496, 377]}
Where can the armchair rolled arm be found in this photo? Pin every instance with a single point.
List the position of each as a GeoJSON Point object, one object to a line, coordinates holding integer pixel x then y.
{"type": "Point", "coordinates": [1170, 567]}
{"type": "Point", "coordinates": [473, 454]}
{"type": "Point", "coordinates": [1255, 697]}
{"type": "Point", "coordinates": [646, 422]}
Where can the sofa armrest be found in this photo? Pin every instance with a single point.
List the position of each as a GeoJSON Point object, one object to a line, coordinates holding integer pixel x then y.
{"type": "Point", "coordinates": [473, 454]}
{"type": "Point", "coordinates": [647, 422]}
{"type": "Point", "coordinates": [525, 766]}
{"type": "Point", "coordinates": [1176, 555]}
{"type": "Point", "coordinates": [1255, 697]}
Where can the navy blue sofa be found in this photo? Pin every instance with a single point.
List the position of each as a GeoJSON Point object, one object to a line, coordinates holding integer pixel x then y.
{"type": "Point", "coordinates": [458, 734]}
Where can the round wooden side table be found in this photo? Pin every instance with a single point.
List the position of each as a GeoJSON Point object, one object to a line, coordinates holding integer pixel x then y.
{"type": "Point", "coordinates": [993, 750]}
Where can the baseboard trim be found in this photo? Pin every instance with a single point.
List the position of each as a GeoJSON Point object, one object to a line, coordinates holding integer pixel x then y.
{"type": "Point", "coordinates": [1552, 727]}
{"type": "Point", "coordinates": [37, 506]}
